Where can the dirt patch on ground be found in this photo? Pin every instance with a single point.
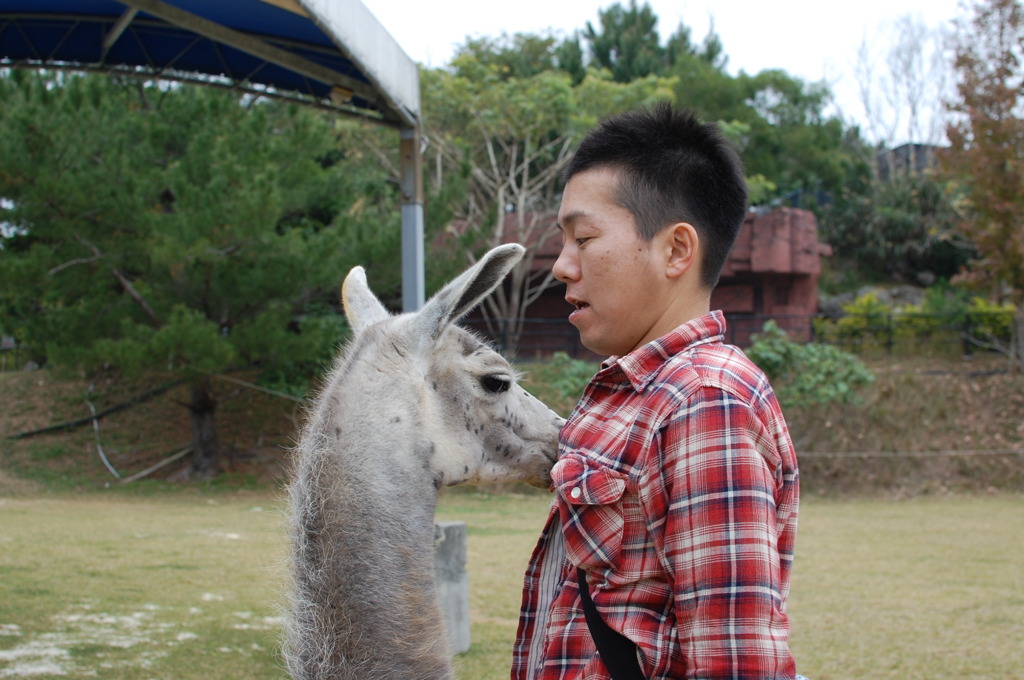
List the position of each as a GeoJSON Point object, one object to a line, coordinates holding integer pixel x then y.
{"type": "Point", "coordinates": [924, 426]}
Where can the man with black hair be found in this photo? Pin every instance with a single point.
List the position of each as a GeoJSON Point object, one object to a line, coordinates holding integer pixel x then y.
{"type": "Point", "coordinates": [676, 489]}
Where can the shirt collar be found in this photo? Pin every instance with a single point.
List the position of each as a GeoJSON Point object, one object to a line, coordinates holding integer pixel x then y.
{"type": "Point", "coordinates": [642, 365]}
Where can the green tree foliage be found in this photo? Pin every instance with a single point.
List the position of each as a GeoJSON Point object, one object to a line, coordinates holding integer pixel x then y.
{"type": "Point", "coordinates": [627, 43]}
{"type": "Point", "coordinates": [519, 55]}
{"type": "Point", "coordinates": [570, 58]}
{"type": "Point", "coordinates": [792, 141]}
{"type": "Point", "coordinates": [176, 228]}
{"type": "Point", "coordinates": [707, 88]}
{"type": "Point", "coordinates": [904, 228]}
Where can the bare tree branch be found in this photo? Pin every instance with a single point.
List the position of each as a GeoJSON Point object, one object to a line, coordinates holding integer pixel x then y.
{"type": "Point", "coordinates": [125, 283]}
{"type": "Point", "coordinates": [71, 263]}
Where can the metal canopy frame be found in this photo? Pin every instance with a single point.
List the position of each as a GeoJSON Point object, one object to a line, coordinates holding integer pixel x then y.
{"type": "Point", "coordinates": [331, 54]}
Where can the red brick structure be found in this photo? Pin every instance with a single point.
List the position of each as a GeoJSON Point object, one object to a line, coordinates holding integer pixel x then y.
{"type": "Point", "coordinates": [772, 273]}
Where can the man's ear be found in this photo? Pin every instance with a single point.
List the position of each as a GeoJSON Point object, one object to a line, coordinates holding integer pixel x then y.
{"type": "Point", "coordinates": [682, 247]}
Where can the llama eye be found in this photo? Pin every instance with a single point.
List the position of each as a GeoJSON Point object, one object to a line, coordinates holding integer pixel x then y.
{"type": "Point", "coordinates": [496, 383]}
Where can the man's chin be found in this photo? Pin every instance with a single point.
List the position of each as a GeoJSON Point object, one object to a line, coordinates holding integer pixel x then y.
{"type": "Point", "coordinates": [594, 344]}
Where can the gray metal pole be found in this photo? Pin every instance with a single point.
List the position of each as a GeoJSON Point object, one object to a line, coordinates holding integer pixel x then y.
{"type": "Point", "coordinates": [412, 220]}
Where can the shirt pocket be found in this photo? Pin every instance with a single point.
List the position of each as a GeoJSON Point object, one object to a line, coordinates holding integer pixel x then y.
{"type": "Point", "coordinates": [589, 498]}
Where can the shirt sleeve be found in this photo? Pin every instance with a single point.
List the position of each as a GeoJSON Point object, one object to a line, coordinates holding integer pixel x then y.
{"type": "Point", "coordinates": [711, 507]}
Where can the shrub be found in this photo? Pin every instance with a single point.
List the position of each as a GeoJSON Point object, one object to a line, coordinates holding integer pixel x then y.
{"type": "Point", "coordinates": [867, 319]}
{"type": "Point", "coordinates": [559, 381]}
{"type": "Point", "coordinates": [568, 377]}
{"type": "Point", "coordinates": [805, 374]}
{"type": "Point", "coordinates": [990, 321]}
{"type": "Point", "coordinates": [942, 310]}
{"type": "Point", "coordinates": [943, 317]}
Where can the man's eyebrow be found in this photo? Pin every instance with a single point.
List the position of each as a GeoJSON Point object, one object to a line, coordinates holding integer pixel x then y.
{"type": "Point", "coordinates": [568, 219]}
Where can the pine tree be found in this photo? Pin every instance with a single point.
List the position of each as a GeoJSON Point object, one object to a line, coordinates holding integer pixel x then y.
{"type": "Point", "coordinates": [175, 228]}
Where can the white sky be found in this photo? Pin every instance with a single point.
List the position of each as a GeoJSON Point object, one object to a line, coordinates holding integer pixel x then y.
{"type": "Point", "coordinates": [811, 39]}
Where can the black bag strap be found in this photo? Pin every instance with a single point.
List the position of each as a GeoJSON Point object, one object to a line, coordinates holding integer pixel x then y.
{"type": "Point", "coordinates": [617, 651]}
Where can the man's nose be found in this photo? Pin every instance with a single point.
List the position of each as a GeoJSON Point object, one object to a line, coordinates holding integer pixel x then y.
{"type": "Point", "coordinates": [566, 267]}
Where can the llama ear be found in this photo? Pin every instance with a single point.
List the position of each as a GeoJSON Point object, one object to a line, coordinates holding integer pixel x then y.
{"type": "Point", "coordinates": [361, 306]}
{"type": "Point", "coordinates": [456, 299]}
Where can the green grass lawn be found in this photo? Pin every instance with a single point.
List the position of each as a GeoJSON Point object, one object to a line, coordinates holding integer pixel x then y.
{"type": "Point", "coordinates": [922, 589]}
{"type": "Point", "coordinates": [187, 585]}
{"type": "Point", "coordinates": [115, 587]}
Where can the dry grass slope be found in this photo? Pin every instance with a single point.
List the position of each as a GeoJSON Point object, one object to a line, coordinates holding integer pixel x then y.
{"type": "Point", "coordinates": [924, 426]}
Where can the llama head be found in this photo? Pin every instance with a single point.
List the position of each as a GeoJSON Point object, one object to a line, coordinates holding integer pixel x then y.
{"type": "Point", "coordinates": [473, 422]}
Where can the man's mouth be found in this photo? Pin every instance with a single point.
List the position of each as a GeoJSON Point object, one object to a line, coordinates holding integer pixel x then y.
{"type": "Point", "coordinates": [579, 306]}
{"type": "Point", "coordinates": [577, 303]}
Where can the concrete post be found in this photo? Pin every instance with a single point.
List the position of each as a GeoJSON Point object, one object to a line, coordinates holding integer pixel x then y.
{"type": "Point", "coordinates": [453, 582]}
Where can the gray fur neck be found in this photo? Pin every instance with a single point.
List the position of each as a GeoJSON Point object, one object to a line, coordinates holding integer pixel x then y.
{"type": "Point", "coordinates": [366, 604]}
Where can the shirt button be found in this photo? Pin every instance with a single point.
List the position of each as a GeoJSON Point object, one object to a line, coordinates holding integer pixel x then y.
{"type": "Point", "coordinates": [576, 493]}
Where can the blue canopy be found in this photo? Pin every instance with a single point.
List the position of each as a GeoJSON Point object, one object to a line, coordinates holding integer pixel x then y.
{"type": "Point", "coordinates": [286, 48]}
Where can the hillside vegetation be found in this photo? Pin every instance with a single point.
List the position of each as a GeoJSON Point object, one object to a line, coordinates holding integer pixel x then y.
{"type": "Point", "coordinates": [923, 426]}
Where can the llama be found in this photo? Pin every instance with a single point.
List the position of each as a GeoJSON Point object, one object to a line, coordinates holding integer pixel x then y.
{"type": "Point", "coordinates": [414, 403]}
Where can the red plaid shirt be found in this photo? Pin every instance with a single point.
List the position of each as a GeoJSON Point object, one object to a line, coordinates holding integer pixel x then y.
{"type": "Point", "coordinates": [676, 490]}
